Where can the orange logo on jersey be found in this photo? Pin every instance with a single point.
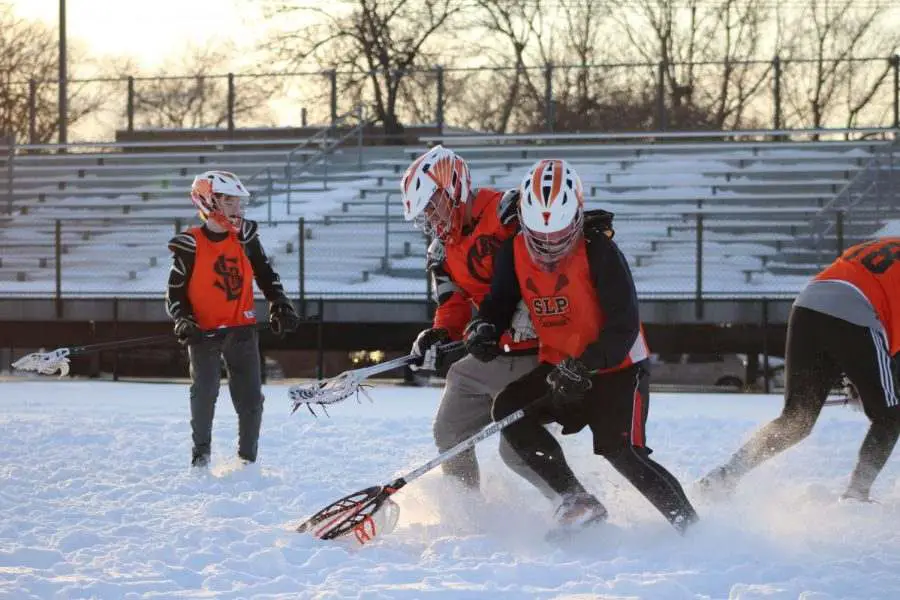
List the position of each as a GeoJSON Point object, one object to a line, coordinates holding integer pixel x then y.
{"type": "Point", "coordinates": [479, 259]}
{"type": "Point", "coordinates": [549, 306]}
{"type": "Point", "coordinates": [551, 311]}
{"type": "Point", "coordinates": [230, 280]}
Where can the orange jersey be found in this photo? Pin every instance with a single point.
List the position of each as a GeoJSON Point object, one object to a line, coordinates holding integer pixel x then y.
{"type": "Point", "coordinates": [874, 269]}
{"type": "Point", "coordinates": [220, 289]}
{"type": "Point", "coordinates": [564, 306]}
{"type": "Point", "coordinates": [470, 265]}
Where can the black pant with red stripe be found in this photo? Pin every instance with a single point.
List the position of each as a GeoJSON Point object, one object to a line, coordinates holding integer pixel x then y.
{"type": "Point", "coordinates": [615, 408]}
{"type": "Point", "coordinates": [819, 349]}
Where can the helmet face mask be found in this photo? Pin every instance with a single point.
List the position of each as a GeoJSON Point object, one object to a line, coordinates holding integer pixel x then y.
{"type": "Point", "coordinates": [551, 212]}
{"type": "Point", "coordinates": [217, 196]}
{"type": "Point", "coordinates": [434, 189]}
{"type": "Point", "coordinates": [439, 217]}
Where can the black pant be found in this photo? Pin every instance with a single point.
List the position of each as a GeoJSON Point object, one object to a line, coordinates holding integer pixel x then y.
{"type": "Point", "coordinates": [820, 348]}
{"type": "Point", "coordinates": [241, 352]}
{"type": "Point", "coordinates": [615, 408]}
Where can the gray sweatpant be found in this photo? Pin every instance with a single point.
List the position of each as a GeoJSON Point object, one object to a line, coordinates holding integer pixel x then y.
{"type": "Point", "coordinates": [465, 409]}
{"type": "Point", "coordinates": [241, 352]}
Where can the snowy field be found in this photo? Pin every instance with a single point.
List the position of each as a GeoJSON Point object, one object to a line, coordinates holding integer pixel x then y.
{"type": "Point", "coordinates": [97, 501]}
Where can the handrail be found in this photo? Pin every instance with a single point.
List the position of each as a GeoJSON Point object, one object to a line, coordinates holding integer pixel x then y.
{"type": "Point", "coordinates": [538, 137]}
{"type": "Point", "coordinates": [292, 141]}
{"type": "Point", "coordinates": [326, 145]}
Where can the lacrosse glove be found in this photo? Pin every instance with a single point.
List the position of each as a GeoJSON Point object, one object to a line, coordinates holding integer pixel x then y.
{"type": "Point", "coordinates": [283, 318]}
{"type": "Point", "coordinates": [568, 382]}
{"type": "Point", "coordinates": [482, 340]}
{"type": "Point", "coordinates": [425, 349]}
{"type": "Point", "coordinates": [186, 329]}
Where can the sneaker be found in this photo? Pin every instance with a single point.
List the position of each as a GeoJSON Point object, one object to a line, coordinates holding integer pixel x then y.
{"type": "Point", "coordinates": [854, 496]}
{"type": "Point", "coordinates": [580, 510]}
{"type": "Point", "coordinates": [718, 484]}
{"type": "Point", "coordinates": [201, 461]}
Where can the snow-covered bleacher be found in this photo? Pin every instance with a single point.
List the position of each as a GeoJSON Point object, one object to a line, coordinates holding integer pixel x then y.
{"type": "Point", "coordinates": [749, 202]}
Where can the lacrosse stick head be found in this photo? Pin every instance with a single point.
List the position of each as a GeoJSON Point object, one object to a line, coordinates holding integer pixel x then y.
{"type": "Point", "coordinates": [329, 391]}
{"type": "Point", "coordinates": [356, 518]}
{"type": "Point", "coordinates": [45, 363]}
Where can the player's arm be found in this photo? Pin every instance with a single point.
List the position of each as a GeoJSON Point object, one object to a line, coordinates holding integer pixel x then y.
{"type": "Point", "coordinates": [453, 308]}
{"type": "Point", "coordinates": [266, 278]}
{"type": "Point", "coordinates": [184, 249]}
{"type": "Point", "coordinates": [618, 300]}
{"type": "Point", "coordinates": [500, 305]}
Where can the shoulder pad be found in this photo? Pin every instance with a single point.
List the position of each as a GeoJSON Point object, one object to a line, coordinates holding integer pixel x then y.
{"type": "Point", "coordinates": [183, 242]}
{"type": "Point", "coordinates": [598, 223]}
{"type": "Point", "coordinates": [436, 254]}
{"type": "Point", "coordinates": [508, 207]}
{"type": "Point", "coordinates": [249, 230]}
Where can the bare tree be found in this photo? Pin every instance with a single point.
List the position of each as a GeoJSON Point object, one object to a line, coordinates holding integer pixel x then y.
{"type": "Point", "coordinates": [685, 39]}
{"type": "Point", "coordinates": [29, 72]}
{"type": "Point", "coordinates": [376, 44]}
{"type": "Point", "coordinates": [833, 69]}
{"type": "Point", "coordinates": [511, 24]}
{"type": "Point", "coordinates": [199, 96]}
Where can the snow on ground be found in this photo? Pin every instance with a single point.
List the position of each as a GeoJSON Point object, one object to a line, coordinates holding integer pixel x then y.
{"type": "Point", "coordinates": [97, 501]}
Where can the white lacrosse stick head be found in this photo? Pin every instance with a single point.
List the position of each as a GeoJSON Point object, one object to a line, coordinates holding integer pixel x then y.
{"type": "Point", "coordinates": [329, 391]}
{"type": "Point", "coordinates": [45, 363]}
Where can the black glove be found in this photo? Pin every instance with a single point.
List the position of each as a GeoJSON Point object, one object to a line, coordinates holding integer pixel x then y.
{"type": "Point", "coordinates": [186, 329]}
{"type": "Point", "coordinates": [482, 340]}
{"type": "Point", "coordinates": [283, 318]}
{"type": "Point", "coordinates": [568, 382]}
{"type": "Point", "coordinates": [424, 348]}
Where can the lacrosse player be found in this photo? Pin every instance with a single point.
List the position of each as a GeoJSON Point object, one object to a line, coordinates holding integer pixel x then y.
{"type": "Point", "coordinates": [210, 287]}
{"type": "Point", "coordinates": [846, 320]}
{"type": "Point", "coordinates": [581, 296]}
{"type": "Point", "coordinates": [467, 227]}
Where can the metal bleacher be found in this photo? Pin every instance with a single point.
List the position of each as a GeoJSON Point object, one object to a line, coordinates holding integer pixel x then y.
{"type": "Point", "coordinates": [748, 204]}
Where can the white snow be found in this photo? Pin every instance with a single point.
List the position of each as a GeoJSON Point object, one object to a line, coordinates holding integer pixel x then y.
{"type": "Point", "coordinates": [97, 501]}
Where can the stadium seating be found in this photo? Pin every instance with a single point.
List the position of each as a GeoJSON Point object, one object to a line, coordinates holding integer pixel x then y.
{"type": "Point", "coordinates": [750, 203]}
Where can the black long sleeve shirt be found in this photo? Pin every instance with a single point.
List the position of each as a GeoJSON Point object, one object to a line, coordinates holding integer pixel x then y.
{"type": "Point", "coordinates": [616, 295]}
{"type": "Point", "coordinates": [184, 248]}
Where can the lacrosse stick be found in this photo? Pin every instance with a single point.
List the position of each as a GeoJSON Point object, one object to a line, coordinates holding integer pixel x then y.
{"type": "Point", "coordinates": [48, 363]}
{"type": "Point", "coordinates": [362, 515]}
{"type": "Point", "coordinates": [348, 383]}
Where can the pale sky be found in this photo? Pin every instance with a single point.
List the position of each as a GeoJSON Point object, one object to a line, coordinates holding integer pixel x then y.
{"type": "Point", "coordinates": [149, 30]}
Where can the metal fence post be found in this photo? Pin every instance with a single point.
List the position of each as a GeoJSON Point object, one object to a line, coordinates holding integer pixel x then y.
{"type": "Point", "coordinates": [58, 255]}
{"type": "Point", "coordinates": [765, 345]}
{"type": "Point", "coordinates": [301, 265]}
{"type": "Point", "coordinates": [698, 293]}
{"type": "Point", "coordinates": [548, 96]}
{"type": "Point", "coordinates": [231, 103]}
{"type": "Point", "coordinates": [10, 171]}
{"type": "Point", "coordinates": [129, 103]}
{"type": "Point", "coordinates": [439, 110]}
{"type": "Point", "coordinates": [269, 185]}
{"type": "Point", "coordinates": [661, 121]}
{"type": "Point", "coordinates": [839, 231]}
{"type": "Point", "coordinates": [115, 367]}
{"type": "Point", "coordinates": [361, 117]}
{"type": "Point", "coordinates": [895, 62]}
{"type": "Point", "coordinates": [387, 234]}
{"type": "Point", "coordinates": [32, 111]}
{"type": "Point", "coordinates": [320, 341]}
{"type": "Point", "coordinates": [332, 77]}
{"type": "Point", "coordinates": [776, 92]}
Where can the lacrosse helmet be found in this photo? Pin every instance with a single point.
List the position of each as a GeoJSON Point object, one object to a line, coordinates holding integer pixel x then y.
{"type": "Point", "coordinates": [551, 212]}
{"type": "Point", "coordinates": [207, 192]}
{"type": "Point", "coordinates": [434, 189]}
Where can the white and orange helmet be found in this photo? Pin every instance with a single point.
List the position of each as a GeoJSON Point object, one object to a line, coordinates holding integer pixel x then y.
{"type": "Point", "coordinates": [208, 188]}
{"type": "Point", "coordinates": [434, 188]}
{"type": "Point", "coordinates": [551, 211]}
